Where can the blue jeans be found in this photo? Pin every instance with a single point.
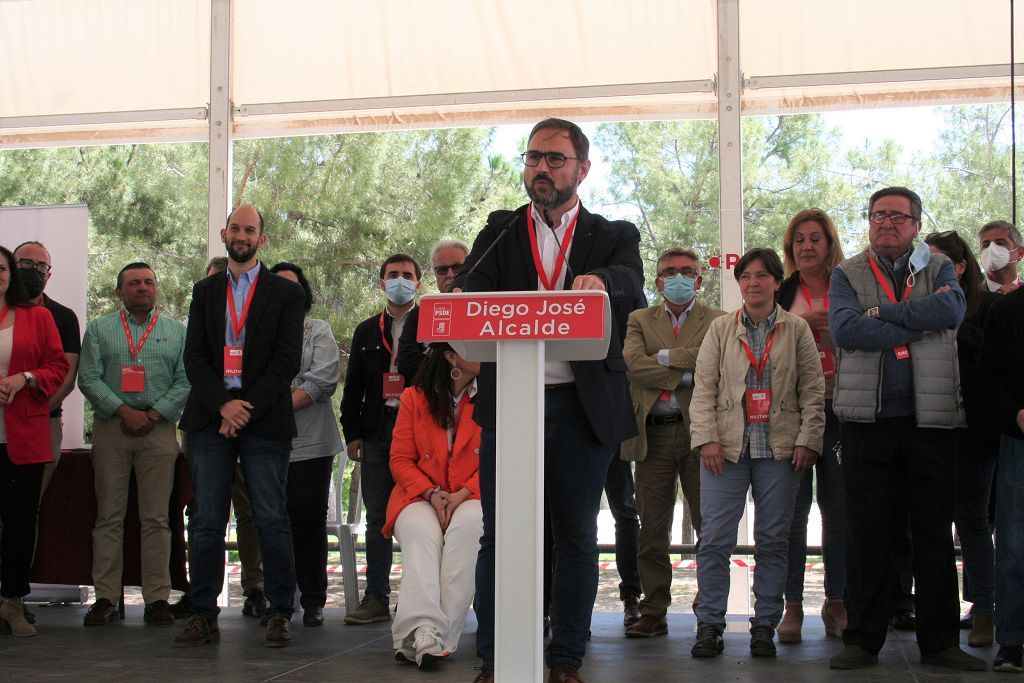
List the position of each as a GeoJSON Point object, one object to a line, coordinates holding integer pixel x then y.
{"type": "Point", "coordinates": [974, 475]}
{"type": "Point", "coordinates": [265, 464]}
{"type": "Point", "coordinates": [774, 484]}
{"type": "Point", "coordinates": [377, 486]}
{"type": "Point", "coordinates": [575, 469]}
{"type": "Point", "coordinates": [1010, 543]}
{"type": "Point", "coordinates": [832, 504]}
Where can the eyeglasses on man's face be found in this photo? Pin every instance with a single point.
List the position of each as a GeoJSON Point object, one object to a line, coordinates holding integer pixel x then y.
{"type": "Point", "coordinates": [29, 263]}
{"type": "Point", "coordinates": [445, 270]}
{"type": "Point", "coordinates": [896, 218]}
{"type": "Point", "coordinates": [553, 159]}
{"type": "Point", "coordinates": [688, 271]}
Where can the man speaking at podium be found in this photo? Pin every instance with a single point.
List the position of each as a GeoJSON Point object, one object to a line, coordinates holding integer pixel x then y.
{"type": "Point", "coordinates": [554, 243]}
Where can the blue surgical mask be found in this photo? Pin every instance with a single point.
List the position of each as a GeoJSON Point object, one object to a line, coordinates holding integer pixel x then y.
{"type": "Point", "coordinates": [679, 289]}
{"type": "Point", "coordinates": [400, 291]}
{"type": "Point", "coordinates": [920, 257]}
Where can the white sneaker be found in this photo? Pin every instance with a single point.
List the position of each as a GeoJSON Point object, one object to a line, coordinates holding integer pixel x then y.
{"type": "Point", "coordinates": [407, 651]}
{"type": "Point", "coordinates": [428, 646]}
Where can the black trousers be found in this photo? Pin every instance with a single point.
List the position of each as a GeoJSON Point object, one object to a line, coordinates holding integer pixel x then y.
{"type": "Point", "coordinates": [19, 507]}
{"type": "Point", "coordinates": [887, 465]}
{"type": "Point", "coordinates": [309, 485]}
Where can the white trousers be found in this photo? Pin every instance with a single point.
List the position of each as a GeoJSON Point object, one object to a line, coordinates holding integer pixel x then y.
{"type": "Point", "coordinates": [438, 570]}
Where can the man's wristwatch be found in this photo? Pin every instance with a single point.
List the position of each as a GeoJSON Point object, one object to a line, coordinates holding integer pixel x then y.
{"type": "Point", "coordinates": [872, 312]}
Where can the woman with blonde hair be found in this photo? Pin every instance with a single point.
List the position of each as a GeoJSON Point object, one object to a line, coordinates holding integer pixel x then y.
{"type": "Point", "coordinates": [811, 250]}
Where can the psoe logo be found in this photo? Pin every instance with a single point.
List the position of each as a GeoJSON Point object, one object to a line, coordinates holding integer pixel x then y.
{"type": "Point", "coordinates": [442, 310]}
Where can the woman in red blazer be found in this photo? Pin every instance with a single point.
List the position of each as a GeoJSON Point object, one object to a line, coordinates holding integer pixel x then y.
{"type": "Point", "coordinates": [32, 367]}
{"type": "Point", "coordinates": [434, 509]}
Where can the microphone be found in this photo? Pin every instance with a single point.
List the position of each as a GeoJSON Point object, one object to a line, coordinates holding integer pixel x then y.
{"type": "Point", "coordinates": [565, 259]}
{"type": "Point", "coordinates": [504, 229]}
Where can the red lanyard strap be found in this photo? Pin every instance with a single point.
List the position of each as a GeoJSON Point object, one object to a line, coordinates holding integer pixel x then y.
{"type": "Point", "coordinates": [758, 366]}
{"type": "Point", "coordinates": [238, 322]}
{"type": "Point", "coordinates": [559, 261]}
{"type": "Point", "coordinates": [884, 282]}
{"type": "Point", "coordinates": [807, 295]}
{"type": "Point", "coordinates": [383, 339]}
{"type": "Point", "coordinates": [133, 350]}
{"type": "Point", "coordinates": [3, 314]}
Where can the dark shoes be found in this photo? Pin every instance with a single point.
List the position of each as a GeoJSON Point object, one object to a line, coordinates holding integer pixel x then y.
{"type": "Point", "coordinates": [709, 642]}
{"type": "Point", "coordinates": [198, 631]}
{"type": "Point", "coordinates": [564, 673]}
{"type": "Point", "coordinates": [955, 658]}
{"type": "Point", "coordinates": [630, 610]}
{"type": "Point", "coordinates": [182, 609]}
{"type": "Point", "coordinates": [904, 620]}
{"type": "Point", "coordinates": [279, 631]}
{"type": "Point", "coordinates": [852, 657]}
{"type": "Point", "coordinates": [255, 605]}
{"type": "Point", "coordinates": [647, 627]}
{"type": "Point", "coordinates": [485, 676]}
{"type": "Point", "coordinates": [371, 609]}
{"type": "Point", "coordinates": [158, 613]}
{"type": "Point", "coordinates": [314, 616]}
{"type": "Point", "coordinates": [1009, 660]}
{"type": "Point", "coordinates": [102, 612]}
{"type": "Point", "coordinates": [762, 641]}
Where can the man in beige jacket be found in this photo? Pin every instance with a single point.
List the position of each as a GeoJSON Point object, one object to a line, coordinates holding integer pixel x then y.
{"type": "Point", "coordinates": [661, 348]}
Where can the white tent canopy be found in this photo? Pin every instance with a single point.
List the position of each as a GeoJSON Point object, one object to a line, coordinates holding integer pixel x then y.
{"type": "Point", "coordinates": [99, 71]}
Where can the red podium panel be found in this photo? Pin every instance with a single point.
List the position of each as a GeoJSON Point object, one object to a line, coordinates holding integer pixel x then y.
{"type": "Point", "coordinates": [479, 319]}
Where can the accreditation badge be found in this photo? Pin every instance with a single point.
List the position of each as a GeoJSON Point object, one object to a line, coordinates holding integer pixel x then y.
{"type": "Point", "coordinates": [394, 383]}
{"type": "Point", "coordinates": [758, 404]}
{"type": "Point", "coordinates": [232, 361]}
{"type": "Point", "coordinates": [133, 379]}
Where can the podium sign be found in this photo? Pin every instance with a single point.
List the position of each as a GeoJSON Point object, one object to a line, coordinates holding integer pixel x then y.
{"type": "Point", "coordinates": [473, 322]}
{"type": "Point", "coordinates": [519, 331]}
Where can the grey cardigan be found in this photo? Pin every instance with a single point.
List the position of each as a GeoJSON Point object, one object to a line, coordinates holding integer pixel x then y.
{"type": "Point", "coordinates": [318, 434]}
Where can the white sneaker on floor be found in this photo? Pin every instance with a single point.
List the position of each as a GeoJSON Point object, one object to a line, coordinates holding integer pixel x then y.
{"type": "Point", "coordinates": [428, 646]}
{"type": "Point", "coordinates": [407, 651]}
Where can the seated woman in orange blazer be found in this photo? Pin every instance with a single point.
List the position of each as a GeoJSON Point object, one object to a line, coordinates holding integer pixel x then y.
{"type": "Point", "coordinates": [434, 509]}
{"type": "Point", "coordinates": [32, 368]}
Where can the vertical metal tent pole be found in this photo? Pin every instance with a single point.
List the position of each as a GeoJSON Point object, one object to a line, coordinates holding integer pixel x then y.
{"type": "Point", "coordinates": [519, 512]}
{"type": "Point", "coordinates": [219, 124]}
{"type": "Point", "coordinates": [730, 198]}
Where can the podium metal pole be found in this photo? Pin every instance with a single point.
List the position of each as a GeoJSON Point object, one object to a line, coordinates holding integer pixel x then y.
{"type": "Point", "coordinates": [519, 512]}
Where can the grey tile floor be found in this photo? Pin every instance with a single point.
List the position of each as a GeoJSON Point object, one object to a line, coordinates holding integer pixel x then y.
{"type": "Point", "coordinates": [129, 650]}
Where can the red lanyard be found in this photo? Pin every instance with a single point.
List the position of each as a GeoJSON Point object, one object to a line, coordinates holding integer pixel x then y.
{"type": "Point", "coordinates": [884, 282]}
{"type": "Point", "coordinates": [383, 339]}
{"type": "Point", "coordinates": [758, 367]}
{"type": "Point", "coordinates": [559, 261]}
{"type": "Point", "coordinates": [3, 314]}
{"type": "Point", "coordinates": [134, 350]}
{"type": "Point", "coordinates": [807, 295]}
{"type": "Point", "coordinates": [238, 323]}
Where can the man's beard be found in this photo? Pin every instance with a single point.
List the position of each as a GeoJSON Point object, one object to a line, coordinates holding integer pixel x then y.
{"type": "Point", "coordinates": [553, 199]}
{"type": "Point", "coordinates": [243, 256]}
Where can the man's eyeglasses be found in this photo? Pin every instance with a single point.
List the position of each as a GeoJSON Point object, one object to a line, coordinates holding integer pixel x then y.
{"type": "Point", "coordinates": [554, 159]}
{"type": "Point", "coordinates": [445, 270]}
{"type": "Point", "coordinates": [29, 263]}
{"type": "Point", "coordinates": [685, 272]}
{"type": "Point", "coordinates": [895, 218]}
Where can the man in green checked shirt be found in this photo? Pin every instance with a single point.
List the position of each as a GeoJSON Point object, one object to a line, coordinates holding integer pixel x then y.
{"type": "Point", "coordinates": [133, 373]}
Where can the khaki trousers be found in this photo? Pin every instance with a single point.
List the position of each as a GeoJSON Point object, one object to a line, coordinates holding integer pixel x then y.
{"type": "Point", "coordinates": [669, 463]}
{"type": "Point", "coordinates": [114, 456]}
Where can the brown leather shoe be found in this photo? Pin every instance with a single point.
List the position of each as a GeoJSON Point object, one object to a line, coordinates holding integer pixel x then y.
{"type": "Point", "coordinates": [791, 624]}
{"type": "Point", "coordinates": [648, 627]}
{"type": "Point", "coordinates": [158, 613]}
{"type": "Point", "coordinates": [982, 630]}
{"type": "Point", "coordinates": [564, 673]}
{"type": "Point", "coordinates": [630, 610]}
{"type": "Point", "coordinates": [198, 631]}
{"type": "Point", "coordinates": [102, 612]}
{"type": "Point", "coordinates": [279, 631]}
{"type": "Point", "coordinates": [833, 615]}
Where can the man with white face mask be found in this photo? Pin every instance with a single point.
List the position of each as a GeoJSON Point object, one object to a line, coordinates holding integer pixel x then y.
{"type": "Point", "coordinates": [661, 348]}
{"type": "Point", "coordinates": [1001, 251]}
{"type": "Point", "coordinates": [369, 406]}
